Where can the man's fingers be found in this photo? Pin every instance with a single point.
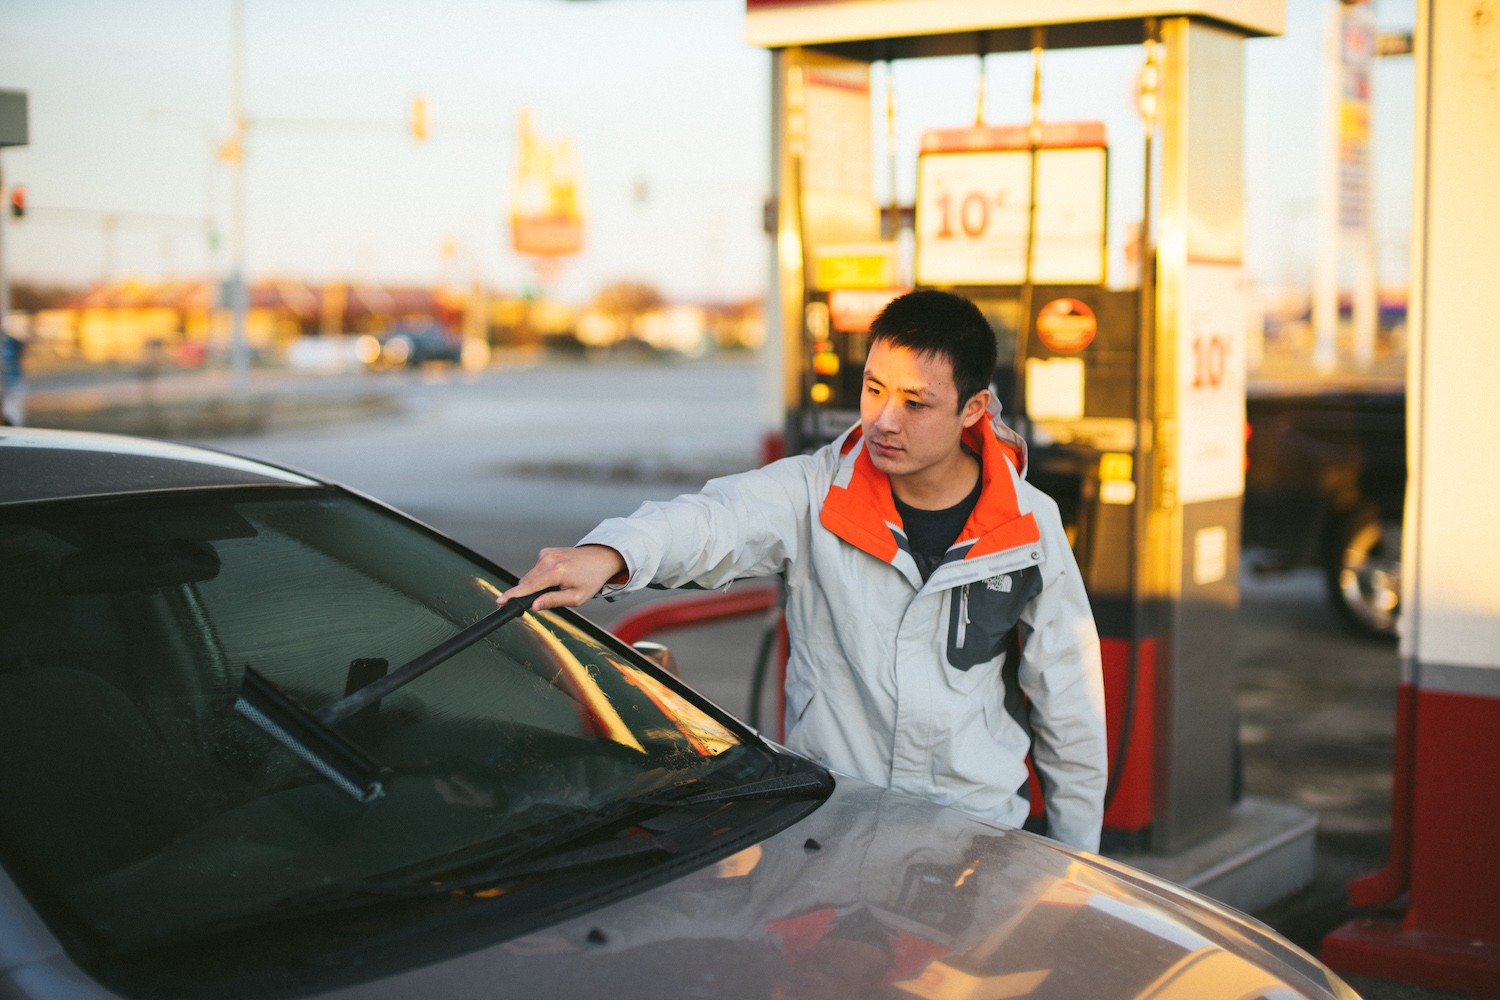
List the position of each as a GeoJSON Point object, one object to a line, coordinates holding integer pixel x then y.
{"type": "Point", "coordinates": [564, 597]}
{"type": "Point", "coordinates": [568, 597]}
{"type": "Point", "coordinates": [537, 579]}
{"type": "Point", "coordinates": [572, 571]}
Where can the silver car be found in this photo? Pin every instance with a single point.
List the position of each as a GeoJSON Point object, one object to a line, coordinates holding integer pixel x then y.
{"type": "Point", "coordinates": [261, 736]}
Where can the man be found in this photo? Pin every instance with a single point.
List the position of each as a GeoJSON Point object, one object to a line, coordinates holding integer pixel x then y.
{"type": "Point", "coordinates": [929, 586]}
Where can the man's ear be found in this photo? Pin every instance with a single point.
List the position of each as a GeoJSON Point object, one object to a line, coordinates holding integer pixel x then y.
{"type": "Point", "coordinates": [974, 410]}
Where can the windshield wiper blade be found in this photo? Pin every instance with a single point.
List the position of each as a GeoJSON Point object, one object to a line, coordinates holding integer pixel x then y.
{"type": "Point", "coordinates": [608, 852]}
{"type": "Point", "coordinates": [798, 784]}
{"type": "Point", "coordinates": [311, 736]}
{"type": "Point", "coordinates": [366, 892]}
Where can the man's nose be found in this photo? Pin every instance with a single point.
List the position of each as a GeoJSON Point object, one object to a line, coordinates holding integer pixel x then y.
{"type": "Point", "coordinates": [887, 419]}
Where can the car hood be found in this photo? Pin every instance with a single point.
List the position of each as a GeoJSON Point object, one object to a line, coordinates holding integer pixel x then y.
{"type": "Point", "coordinates": [878, 894]}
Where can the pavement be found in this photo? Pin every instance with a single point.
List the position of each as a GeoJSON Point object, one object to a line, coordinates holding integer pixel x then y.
{"type": "Point", "coordinates": [177, 403]}
{"type": "Point", "coordinates": [514, 460]}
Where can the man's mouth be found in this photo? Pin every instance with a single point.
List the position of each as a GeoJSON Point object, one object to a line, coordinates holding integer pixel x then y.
{"type": "Point", "coordinates": [883, 449]}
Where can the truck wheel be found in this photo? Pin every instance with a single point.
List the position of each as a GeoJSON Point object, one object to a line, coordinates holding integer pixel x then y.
{"type": "Point", "coordinates": [1364, 574]}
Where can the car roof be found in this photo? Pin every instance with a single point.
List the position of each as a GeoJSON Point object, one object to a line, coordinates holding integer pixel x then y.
{"type": "Point", "coordinates": [38, 464]}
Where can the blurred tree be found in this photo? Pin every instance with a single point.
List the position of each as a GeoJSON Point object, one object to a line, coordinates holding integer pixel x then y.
{"type": "Point", "coordinates": [627, 299]}
{"type": "Point", "coordinates": [29, 296]}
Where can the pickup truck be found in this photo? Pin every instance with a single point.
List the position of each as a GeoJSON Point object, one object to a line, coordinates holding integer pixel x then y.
{"type": "Point", "coordinates": [1325, 482]}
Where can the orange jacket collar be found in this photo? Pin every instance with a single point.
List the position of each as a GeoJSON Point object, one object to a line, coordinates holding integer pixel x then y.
{"type": "Point", "coordinates": [863, 513]}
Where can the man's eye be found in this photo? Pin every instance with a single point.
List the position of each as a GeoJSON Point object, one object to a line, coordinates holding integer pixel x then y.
{"type": "Point", "coordinates": [914, 405]}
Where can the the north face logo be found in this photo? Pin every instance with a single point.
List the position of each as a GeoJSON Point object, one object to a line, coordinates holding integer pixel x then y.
{"type": "Point", "coordinates": [1000, 583]}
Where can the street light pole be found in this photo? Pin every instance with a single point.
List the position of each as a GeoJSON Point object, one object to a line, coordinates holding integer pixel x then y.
{"type": "Point", "coordinates": [4, 305]}
{"type": "Point", "coordinates": [239, 298]}
{"type": "Point", "coordinates": [14, 131]}
{"type": "Point", "coordinates": [4, 280]}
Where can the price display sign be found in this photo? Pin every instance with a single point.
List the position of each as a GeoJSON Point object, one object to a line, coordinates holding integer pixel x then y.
{"type": "Point", "coordinates": [1211, 383]}
{"type": "Point", "coordinates": [973, 205]}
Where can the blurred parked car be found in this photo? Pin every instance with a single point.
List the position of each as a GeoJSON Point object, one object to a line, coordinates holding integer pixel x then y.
{"type": "Point", "coordinates": [1325, 482]}
{"type": "Point", "coordinates": [410, 346]}
{"type": "Point", "coordinates": [549, 814]}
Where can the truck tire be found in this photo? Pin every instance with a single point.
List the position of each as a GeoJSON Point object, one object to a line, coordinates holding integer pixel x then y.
{"type": "Point", "coordinates": [1363, 573]}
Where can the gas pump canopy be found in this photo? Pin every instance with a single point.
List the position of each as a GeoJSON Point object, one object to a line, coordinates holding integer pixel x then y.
{"type": "Point", "coordinates": [903, 29]}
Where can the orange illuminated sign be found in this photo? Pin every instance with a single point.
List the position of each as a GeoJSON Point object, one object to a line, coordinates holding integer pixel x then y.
{"type": "Point", "coordinates": [1066, 326]}
{"type": "Point", "coordinates": [852, 310]}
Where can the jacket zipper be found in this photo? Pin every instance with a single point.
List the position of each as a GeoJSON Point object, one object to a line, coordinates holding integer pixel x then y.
{"type": "Point", "coordinates": [963, 616]}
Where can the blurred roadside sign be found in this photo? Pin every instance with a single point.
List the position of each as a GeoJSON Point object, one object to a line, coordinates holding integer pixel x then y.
{"type": "Point", "coordinates": [973, 198]}
{"type": "Point", "coordinates": [546, 236]}
{"type": "Point", "coordinates": [546, 211]}
{"type": "Point", "coordinates": [1357, 47]}
{"type": "Point", "coordinates": [14, 126]}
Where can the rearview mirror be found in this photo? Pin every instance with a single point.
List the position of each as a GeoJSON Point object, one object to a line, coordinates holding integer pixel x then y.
{"type": "Point", "coordinates": [139, 567]}
{"type": "Point", "coordinates": [659, 655]}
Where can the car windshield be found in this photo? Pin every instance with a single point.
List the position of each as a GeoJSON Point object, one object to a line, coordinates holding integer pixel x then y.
{"type": "Point", "coordinates": [140, 809]}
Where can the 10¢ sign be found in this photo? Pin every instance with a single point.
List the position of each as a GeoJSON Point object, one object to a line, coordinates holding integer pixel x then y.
{"type": "Point", "coordinates": [973, 216]}
{"type": "Point", "coordinates": [1211, 383]}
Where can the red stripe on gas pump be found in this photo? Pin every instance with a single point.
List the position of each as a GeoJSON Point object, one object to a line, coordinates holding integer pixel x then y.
{"type": "Point", "coordinates": [981, 138]}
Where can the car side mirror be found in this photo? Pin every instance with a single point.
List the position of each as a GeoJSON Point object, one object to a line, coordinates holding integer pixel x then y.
{"type": "Point", "coordinates": [659, 655]}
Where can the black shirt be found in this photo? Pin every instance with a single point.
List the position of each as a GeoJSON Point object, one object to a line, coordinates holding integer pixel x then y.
{"type": "Point", "coordinates": [929, 533]}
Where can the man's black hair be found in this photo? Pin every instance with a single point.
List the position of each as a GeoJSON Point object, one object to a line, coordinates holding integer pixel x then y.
{"type": "Point", "coordinates": [944, 325]}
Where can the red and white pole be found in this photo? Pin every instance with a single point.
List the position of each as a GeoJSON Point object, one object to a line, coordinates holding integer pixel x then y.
{"type": "Point", "coordinates": [1445, 842]}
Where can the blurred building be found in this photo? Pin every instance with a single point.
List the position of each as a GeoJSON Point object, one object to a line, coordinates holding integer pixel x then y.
{"type": "Point", "coordinates": [133, 322]}
{"type": "Point", "coordinates": [183, 324]}
{"type": "Point", "coordinates": [1283, 343]}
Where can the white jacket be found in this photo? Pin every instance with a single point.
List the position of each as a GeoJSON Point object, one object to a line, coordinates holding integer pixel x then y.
{"type": "Point", "coordinates": [890, 679]}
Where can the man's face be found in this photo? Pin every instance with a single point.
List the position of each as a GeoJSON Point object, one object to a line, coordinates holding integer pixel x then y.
{"type": "Point", "coordinates": [909, 410]}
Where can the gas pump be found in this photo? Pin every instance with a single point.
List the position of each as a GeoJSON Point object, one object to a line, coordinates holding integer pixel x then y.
{"type": "Point", "coordinates": [1013, 218]}
{"type": "Point", "coordinates": [1132, 398]}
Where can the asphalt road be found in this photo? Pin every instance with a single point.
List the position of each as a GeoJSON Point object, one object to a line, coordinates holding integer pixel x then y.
{"type": "Point", "coordinates": [515, 460]}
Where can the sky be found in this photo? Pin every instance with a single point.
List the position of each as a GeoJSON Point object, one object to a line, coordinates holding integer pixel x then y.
{"type": "Point", "coordinates": [667, 107]}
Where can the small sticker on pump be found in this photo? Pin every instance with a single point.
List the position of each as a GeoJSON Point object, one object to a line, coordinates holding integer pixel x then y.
{"type": "Point", "coordinates": [1210, 555]}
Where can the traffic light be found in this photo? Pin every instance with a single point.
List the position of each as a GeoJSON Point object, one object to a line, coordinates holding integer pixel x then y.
{"type": "Point", "coordinates": [18, 201]}
{"type": "Point", "coordinates": [419, 119]}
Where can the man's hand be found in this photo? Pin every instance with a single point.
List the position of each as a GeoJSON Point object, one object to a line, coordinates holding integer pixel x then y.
{"type": "Point", "coordinates": [581, 573]}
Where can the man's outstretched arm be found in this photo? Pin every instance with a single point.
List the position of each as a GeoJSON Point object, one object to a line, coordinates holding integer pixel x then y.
{"type": "Point", "coordinates": [579, 572]}
{"type": "Point", "coordinates": [750, 524]}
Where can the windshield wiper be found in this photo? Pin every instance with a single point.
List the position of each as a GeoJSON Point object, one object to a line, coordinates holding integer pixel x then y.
{"type": "Point", "coordinates": [311, 736]}
{"type": "Point", "coordinates": [796, 785]}
{"type": "Point", "coordinates": [369, 892]}
{"type": "Point", "coordinates": [541, 855]}
{"type": "Point", "coordinates": [516, 864]}
{"type": "Point", "coordinates": [607, 852]}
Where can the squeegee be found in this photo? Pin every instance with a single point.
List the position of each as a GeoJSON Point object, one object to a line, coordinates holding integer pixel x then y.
{"type": "Point", "coordinates": [312, 736]}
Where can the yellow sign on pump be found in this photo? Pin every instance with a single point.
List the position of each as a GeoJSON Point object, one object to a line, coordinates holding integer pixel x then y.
{"type": "Point", "coordinates": [854, 265]}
